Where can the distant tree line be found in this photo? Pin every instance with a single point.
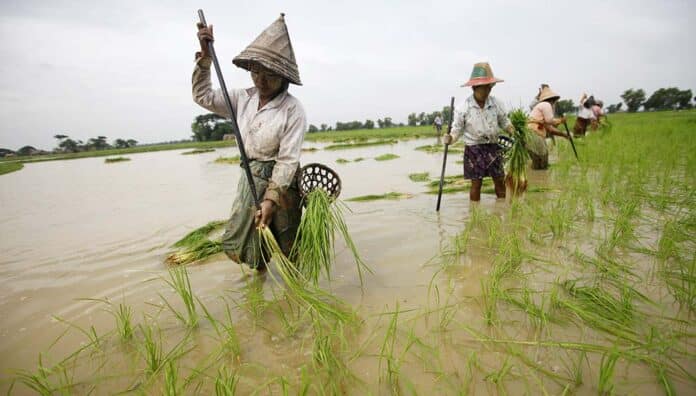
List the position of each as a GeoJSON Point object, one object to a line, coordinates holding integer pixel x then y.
{"type": "Point", "coordinates": [68, 145]}
{"type": "Point", "coordinates": [663, 99]}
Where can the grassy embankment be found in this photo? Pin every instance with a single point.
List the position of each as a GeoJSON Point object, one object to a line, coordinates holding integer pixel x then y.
{"type": "Point", "coordinates": [10, 167]}
{"type": "Point", "coordinates": [345, 137]}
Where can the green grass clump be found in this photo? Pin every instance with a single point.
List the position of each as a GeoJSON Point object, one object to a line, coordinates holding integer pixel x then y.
{"type": "Point", "coordinates": [373, 197]}
{"type": "Point", "coordinates": [386, 157]}
{"type": "Point", "coordinates": [343, 146]}
{"type": "Point", "coordinates": [7, 167]}
{"type": "Point", "coordinates": [228, 160]}
{"type": "Point", "coordinates": [439, 148]}
{"type": "Point", "coordinates": [198, 151]}
{"type": "Point", "coordinates": [116, 159]}
{"type": "Point", "coordinates": [342, 161]}
{"type": "Point", "coordinates": [419, 177]}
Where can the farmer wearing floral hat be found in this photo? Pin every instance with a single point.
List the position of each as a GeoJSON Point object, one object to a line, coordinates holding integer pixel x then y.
{"type": "Point", "coordinates": [543, 124]}
{"type": "Point", "coordinates": [272, 123]}
{"type": "Point", "coordinates": [478, 121]}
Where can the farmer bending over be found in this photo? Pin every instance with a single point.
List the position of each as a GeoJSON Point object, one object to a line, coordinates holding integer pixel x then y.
{"type": "Point", "coordinates": [272, 124]}
{"type": "Point", "coordinates": [543, 124]}
{"type": "Point", "coordinates": [478, 120]}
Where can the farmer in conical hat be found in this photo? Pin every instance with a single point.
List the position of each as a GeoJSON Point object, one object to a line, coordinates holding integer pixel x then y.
{"type": "Point", "coordinates": [543, 124]}
{"type": "Point", "coordinates": [478, 121]}
{"type": "Point", "coordinates": [272, 123]}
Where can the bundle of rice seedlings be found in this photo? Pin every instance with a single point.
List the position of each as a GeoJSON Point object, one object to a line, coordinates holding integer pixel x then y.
{"type": "Point", "coordinates": [517, 156]}
{"type": "Point", "coordinates": [314, 245]}
{"type": "Point", "coordinates": [320, 305]}
{"type": "Point", "coordinates": [203, 249]}
{"type": "Point", "coordinates": [196, 245]}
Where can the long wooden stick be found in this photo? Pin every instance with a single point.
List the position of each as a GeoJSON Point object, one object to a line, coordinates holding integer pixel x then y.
{"type": "Point", "coordinates": [233, 117]}
{"type": "Point", "coordinates": [444, 159]}
{"type": "Point", "coordinates": [572, 144]}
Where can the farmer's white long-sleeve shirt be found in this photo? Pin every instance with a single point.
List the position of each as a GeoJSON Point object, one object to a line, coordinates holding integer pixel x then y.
{"type": "Point", "coordinates": [479, 125]}
{"type": "Point", "coordinates": [274, 132]}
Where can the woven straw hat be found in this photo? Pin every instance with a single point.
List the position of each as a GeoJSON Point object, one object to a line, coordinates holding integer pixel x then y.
{"type": "Point", "coordinates": [273, 50]}
{"type": "Point", "coordinates": [482, 74]}
{"type": "Point", "coordinates": [547, 93]}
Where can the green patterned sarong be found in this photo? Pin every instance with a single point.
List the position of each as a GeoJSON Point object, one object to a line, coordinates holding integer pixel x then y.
{"type": "Point", "coordinates": [241, 239]}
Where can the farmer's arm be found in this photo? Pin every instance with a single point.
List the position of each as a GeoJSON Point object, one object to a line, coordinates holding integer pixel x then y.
{"type": "Point", "coordinates": [550, 122]}
{"type": "Point", "coordinates": [202, 88]}
{"type": "Point", "coordinates": [457, 126]}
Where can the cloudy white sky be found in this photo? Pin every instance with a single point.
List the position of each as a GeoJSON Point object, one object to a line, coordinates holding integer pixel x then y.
{"type": "Point", "coordinates": [122, 68]}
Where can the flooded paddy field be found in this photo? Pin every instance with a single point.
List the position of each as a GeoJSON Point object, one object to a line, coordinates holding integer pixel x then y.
{"type": "Point", "coordinates": [586, 285]}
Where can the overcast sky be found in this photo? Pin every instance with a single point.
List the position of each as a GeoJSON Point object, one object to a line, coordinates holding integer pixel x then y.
{"type": "Point", "coordinates": [123, 68]}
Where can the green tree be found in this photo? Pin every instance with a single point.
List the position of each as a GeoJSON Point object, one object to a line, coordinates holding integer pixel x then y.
{"type": "Point", "coordinates": [412, 119]}
{"type": "Point", "coordinates": [613, 108]}
{"type": "Point", "coordinates": [565, 106]}
{"type": "Point", "coordinates": [98, 143]}
{"type": "Point", "coordinates": [668, 99]}
{"type": "Point", "coordinates": [132, 142]}
{"type": "Point", "coordinates": [633, 99]}
{"type": "Point", "coordinates": [120, 143]}
{"type": "Point", "coordinates": [323, 127]}
{"type": "Point", "coordinates": [312, 128]}
{"type": "Point", "coordinates": [204, 125]}
{"type": "Point", "coordinates": [369, 124]}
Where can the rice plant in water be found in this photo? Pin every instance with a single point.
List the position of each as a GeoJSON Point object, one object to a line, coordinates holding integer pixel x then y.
{"type": "Point", "coordinates": [320, 305]}
{"type": "Point", "coordinates": [314, 245]}
{"type": "Point", "coordinates": [179, 281]}
{"type": "Point", "coordinates": [517, 157]}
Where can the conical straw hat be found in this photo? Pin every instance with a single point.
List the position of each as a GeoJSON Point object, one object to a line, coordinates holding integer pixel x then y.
{"type": "Point", "coordinates": [273, 50]}
{"type": "Point", "coordinates": [482, 74]}
{"type": "Point", "coordinates": [547, 93]}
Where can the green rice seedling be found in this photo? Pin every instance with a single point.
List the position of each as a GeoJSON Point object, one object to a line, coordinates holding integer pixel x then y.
{"type": "Point", "coordinates": [124, 323]}
{"type": "Point", "coordinates": [605, 384]}
{"type": "Point", "coordinates": [201, 250]}
{"type": "Point", "coordinates": [198, 151]}
{"type": "Point", "coordinates": [498, 376]}
{"type": "Point", "coordinates": [91, 334]}
{"type": "Point", "coordinates": [116, 159]}
{"type": "Point", "coordinates": [390, 372]}
{"type": "Point", "coordinates": [359, 159]}
{"type": "Point", "coordinates": [517, 157]}
{"type": "Point", "coordinates": [171, 377]}
{"type": "Point", "coordinates": [199, 234]}
{"type": "Point", "coordinates": [314, 243]}
{"type": "Point", "coordinates": [342, 161]}
{"type": "Point", "coordinates": [327, 360]}
{"type": "Point", "coordinates": [234, 160]}
{"type": "Point", "coordinates": [41, 381]}
{"type": "Point", "coordinates": [224, 330]}
{"type": "Point", "coordinates": [152, 350]}
{"type": "Point", "coordinates": [386, 157]}
{"type": "Point", "coordinates": [226, 382]}
{"type": "Point", "coordinates": [419, 177]}
{"type": "Point", "coordinates": [179, 281]}
{"type": "Point", "coordinates": [321, 305]}
{"type": "Point", "coordinates": [375, 197]}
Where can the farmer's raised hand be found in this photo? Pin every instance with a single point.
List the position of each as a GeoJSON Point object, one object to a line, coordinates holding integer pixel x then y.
{"type": "Point", "coordinates": [447, 138]}
{"type": "Point", "coordinates": [205, 35]}
{"type": "Point", "coordinates": [265, 215]}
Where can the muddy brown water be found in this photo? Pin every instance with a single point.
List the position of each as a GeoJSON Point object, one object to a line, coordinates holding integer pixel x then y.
{"type": "Point", "coordinates": [71, 231]}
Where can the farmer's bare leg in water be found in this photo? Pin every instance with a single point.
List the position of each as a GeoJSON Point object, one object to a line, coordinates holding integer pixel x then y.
{"type": "Point", "coordinates": [499, 187]}
{"type": "Point", "coordinates": [475, 192]}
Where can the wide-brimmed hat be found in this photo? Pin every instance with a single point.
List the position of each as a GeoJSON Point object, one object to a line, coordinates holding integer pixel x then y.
{"type": "Point", "coordinates": [272, 49]}
{"type": "Point", "coordinates": [482, 74]}
{"type": "Point", "coordinates": [546, 93]}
